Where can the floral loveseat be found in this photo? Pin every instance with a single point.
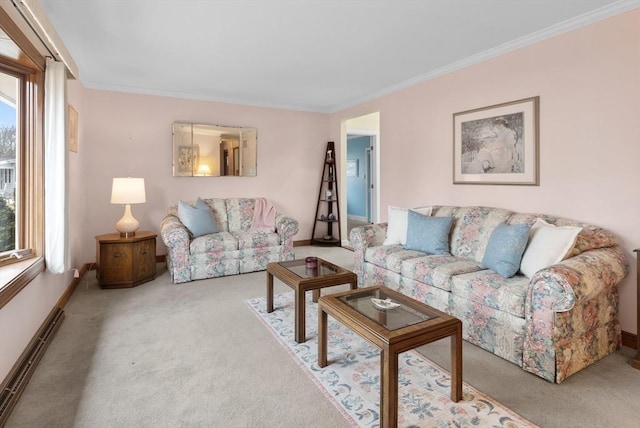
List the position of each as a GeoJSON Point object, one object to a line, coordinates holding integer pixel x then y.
{"type": "Point", "coordinates": [553, 324]}
{"type": "Point", "coordinates": [237, 246]}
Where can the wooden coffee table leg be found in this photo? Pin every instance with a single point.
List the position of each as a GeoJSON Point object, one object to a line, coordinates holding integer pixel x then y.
{"type": "Point", "coordinates": [322, 337]}
{"type": "Point", "coordinates": [456, 364]}
{"type": "Point", "coordinates": [388, 388]}
{"type": "Point", "coordinates": [269, 292]}
{"type": "Point", "coordinates": [300, 332]}
{"type": "Point", "coordinates": [315, 295]}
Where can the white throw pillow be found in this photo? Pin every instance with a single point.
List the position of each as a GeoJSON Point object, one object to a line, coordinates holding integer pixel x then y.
{"type": "Point", "coordinates": [548, 245]}
{"type": "Point", "coordinates": [397, 224]}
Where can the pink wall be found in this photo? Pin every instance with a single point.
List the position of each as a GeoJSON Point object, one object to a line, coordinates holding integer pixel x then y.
{"type": "Point", "coordinates": [130, 135]}
{"type": "Point", "coordinates": [588, 81]}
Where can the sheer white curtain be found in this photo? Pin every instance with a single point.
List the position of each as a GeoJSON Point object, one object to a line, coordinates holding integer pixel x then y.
{"type": "Point", "coordinates": [55, 167]}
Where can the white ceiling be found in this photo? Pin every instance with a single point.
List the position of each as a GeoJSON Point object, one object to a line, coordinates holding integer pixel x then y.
{"type": "Point", "coordinates": [313, 55]}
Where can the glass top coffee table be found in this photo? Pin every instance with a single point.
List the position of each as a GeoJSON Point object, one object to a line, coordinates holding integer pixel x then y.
{"type": "Point", "coordinates": [301, 279]}
{"type": "Point", "coordinates": [395, 323]}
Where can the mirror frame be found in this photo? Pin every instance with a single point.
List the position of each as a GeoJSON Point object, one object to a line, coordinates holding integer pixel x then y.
{"type": "Point", "coordinates": [205, 150]}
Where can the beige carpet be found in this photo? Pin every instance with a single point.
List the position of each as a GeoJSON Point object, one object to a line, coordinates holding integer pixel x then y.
{"type": "Point", "coordinates": [193, 355]}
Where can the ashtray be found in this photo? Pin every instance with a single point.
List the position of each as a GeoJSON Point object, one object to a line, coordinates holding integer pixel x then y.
{"type": "Point", "coordinates": [384, 304]}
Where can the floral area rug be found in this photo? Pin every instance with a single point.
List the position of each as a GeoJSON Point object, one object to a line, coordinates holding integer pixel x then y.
{"type": "Point", "coordinates": [351, 380]}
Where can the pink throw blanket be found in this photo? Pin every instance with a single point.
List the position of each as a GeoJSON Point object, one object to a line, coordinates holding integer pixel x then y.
{"type": "Point", "coordinates": [264, 215]}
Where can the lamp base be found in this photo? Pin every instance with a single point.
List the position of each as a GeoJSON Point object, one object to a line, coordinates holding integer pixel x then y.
{"type": "Point", "coordinates": [127, 225]}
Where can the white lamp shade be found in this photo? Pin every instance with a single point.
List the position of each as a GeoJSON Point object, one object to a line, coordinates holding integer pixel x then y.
{"type": "Point", "coordinates": [204, 169]}
{"type": "Point", "coordinates": [128, 191]}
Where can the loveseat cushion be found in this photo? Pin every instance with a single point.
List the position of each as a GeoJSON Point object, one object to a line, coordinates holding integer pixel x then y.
{"type": "Point", "coordinates": [240, 213]}
{"type": "Point", "coordinates": [437, 270]}
{"type": "Point", "coordinates": [219, 210]}
{"type": "Point", "coordinates": [198, 220]}
{"type": "Point", "coordinates": [214, 242]}
{"type": "Point", "coordinates": [487, 288]}
{"type": "Point", "coordinates": [256, 239]}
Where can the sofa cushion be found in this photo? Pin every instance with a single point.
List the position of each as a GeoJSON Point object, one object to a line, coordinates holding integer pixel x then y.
{"type": "Point", "coordinates": [472, 228]}
{"type": "Point", "coordinates": [198, 220]}
{"type": "Point", "coordinates": [397, 224]}
{"type": "Point", "coordinates": [428, 234]}
{"type": "Point", "coordinates": [505, 248]}
{"type": "Point", "coordinates": [589, 238]}
{"type": "Point", "coordinates": [548, 245]}
{"type": "Point", "coordinates": [425, 293]}
{"type": "Point", "coordinates": [212, 243]}
{"type": "Point", "coordinates": [437, 270]}
{"type": "Point", "coordinates": [390, 256]}
{"type": "Point", "coordinates": [256, 239]}
{"type": "Point", "coordinates": [490, 289]}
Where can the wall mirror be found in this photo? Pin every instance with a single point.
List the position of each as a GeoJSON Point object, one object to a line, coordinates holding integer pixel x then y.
{"type": "Point", "coordinates": [201, 150]}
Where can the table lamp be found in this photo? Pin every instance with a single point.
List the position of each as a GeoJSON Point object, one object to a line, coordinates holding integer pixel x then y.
{"type": "Point", "coordinates": [127, 191]}
{"type": "Point", "coordinates": [204, 170]}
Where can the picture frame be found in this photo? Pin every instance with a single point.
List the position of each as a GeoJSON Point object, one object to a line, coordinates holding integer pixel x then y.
{"type": "Point", "coordinates": [498, 144]}
{"type": "Point", "coordinates": [72, 129]}
{"type": "Point", "coordinates": [352, 168]}
{"type": "Point", "coordinates": [188, 159]}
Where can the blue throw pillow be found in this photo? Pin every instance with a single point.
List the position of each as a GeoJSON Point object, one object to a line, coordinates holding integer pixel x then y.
{"type": "Point", "coordinates": [198, 219]}
{"type": "Point", "coordinates": [428, 234]}
{"type": "Point", "coordinates": [201, 204]}
{"type": "Point", "coordinates": [505, 249]}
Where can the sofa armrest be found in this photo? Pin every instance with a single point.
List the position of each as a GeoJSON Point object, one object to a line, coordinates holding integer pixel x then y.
{"type": "Point", "coordinates": [369, 235]}
{"type": "Point", "coordinates": [578, 279]}
{"type": "Point", "coordinates": [286, 227]}
{"type": "Point", "coordinates": [176, 237]}
{"type": "Point", "coordinates": [568, 303]}
{"type": "Point", "coordinates": [361, 238]}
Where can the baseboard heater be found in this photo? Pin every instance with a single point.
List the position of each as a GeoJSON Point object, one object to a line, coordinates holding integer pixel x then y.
{"type": "Point", "coordinates": [21, 372]}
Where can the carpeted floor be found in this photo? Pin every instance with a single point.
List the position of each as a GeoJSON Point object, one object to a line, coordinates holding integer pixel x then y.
{"type": "Point", "coordinates": [351, 380]}
{"type": "Point", "coordinates": [193, 355]}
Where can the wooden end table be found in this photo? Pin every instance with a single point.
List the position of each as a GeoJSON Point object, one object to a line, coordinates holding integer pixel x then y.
{"type": "Point", "coordinates": [636, 361]}
{"type": "Point", "coordinates": [125, 262]}
{"type": "Point", "coordinates": [301, 279]}
{"type": "Point", "coordinates": [394, 331]}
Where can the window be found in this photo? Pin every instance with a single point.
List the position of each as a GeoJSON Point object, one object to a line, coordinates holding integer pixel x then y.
{"type": "Point", "coordinates": [8, 162]}
{"type": "Point", "coordinates": [21, 160]}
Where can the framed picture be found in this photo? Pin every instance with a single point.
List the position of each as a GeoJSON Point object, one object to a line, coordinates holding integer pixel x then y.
{"type": "Point", "coordinates": [188, 158]}
{"type": "Point", "coordinates": [497, 144]}
{"type": "Point", "coordinates": [352, 167]}
{"type": "Point", "coordinates": [73, 129]}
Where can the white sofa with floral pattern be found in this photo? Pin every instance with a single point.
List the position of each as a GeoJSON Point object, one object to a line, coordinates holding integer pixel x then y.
{"type": "Point", "coordinates": [235, 249]}
{"type": "Point", "coordinates": [559, 321]}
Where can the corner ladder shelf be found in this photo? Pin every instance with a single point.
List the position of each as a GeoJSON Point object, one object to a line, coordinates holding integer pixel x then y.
{"type": "Point", "coordinates": [328, 207]}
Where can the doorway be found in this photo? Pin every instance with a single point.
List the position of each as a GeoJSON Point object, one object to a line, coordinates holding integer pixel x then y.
{"type": "Point", "coordinates": [361, 176]}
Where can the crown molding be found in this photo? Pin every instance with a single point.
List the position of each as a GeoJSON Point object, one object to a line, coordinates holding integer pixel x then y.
{"type": "Point", "coordinates": [579, 21]}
